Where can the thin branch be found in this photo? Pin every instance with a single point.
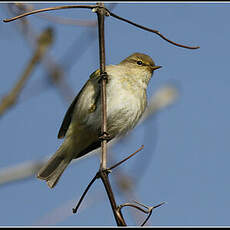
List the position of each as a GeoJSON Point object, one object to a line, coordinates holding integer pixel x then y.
{"type": "Point", "coordinates": [133, 206]}
{"type": "Point", "coordinates": [103, 172]}
{"type": "Point", "coordinates": [118, 215]}
{"type": "Point", "coordinates": [151, 30]}
{"type": "Point", "coordinates": [150, 212]}
{"type": "Point", "coordinates": [49, 9]}
{"type": "Point", "coordinates": [100, 16]}
{"type": "Point", "coordinates": [108, 13]}
{"type": "Point", "coordinates": [25, 7]}
{"type": "Point", "coordinates": [85, 192]}
{"type": "Point", "coordinates": [20, 8]}
{"type": "Point", "coordinates": [147, 211]}
{"type": "Point", "coordinates": [117, 164]}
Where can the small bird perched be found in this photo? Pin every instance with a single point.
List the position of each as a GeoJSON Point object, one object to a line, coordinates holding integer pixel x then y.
{"type": "Point", "coordinates": [81, 127]}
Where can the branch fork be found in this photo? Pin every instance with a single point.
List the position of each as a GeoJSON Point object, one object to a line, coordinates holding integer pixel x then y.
{"type": "Point", "coordinates": [103, 175]}
{"type": "Point", "coordinates": [141, 207]}
{"type": "Point", "coordinates": [101, 7]}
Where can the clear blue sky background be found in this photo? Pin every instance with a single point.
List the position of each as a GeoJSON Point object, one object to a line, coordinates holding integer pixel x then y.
{"type": "Point", "coordinates": [186, 157]}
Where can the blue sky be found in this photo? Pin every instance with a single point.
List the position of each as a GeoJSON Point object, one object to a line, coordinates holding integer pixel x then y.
{"type": "Point", "coordinates": [186, 157]}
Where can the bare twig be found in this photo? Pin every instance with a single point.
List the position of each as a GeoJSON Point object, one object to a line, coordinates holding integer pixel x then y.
{"type": "Point", "coordinates": [151, 30]}
{"type": "Point", "coordinates": [85, 192]}
{"type": "Point", "coordinates": [132, 205]}
{"type": "Point", "coordinates": [117, 164]}
{"type": "Point", "coordinates": [48, 9]}
{"type": "Point", "coordinates": [145, 209]}
{"type": "Point", "coordinates": [98, 175]}
{"type": "Point", "coordinates": [19, 8]}
{"type": "Point", "coordinates": [150, 209]}
{"type": "Point", "coordinates": [107, 13]}
{"type": "Point", "coordinates": [100, 16]}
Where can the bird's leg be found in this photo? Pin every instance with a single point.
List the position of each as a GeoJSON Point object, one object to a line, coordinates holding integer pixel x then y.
{"type": "Point", "coordinates": [104, 136]}
{"type": "Point", "coordinates": [103, 76]}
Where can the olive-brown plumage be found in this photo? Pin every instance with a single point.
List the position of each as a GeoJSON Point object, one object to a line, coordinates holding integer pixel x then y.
{"type": "Point", "coordinates": [126, 102]}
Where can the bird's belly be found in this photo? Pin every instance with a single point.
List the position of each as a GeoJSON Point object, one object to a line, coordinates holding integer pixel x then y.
{"type": "Point", "coordinates": [124, 108]}
{"type": "Point", "coordinates": [121, 119]}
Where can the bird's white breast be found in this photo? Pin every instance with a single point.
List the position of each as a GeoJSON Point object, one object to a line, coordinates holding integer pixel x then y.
{"type": "Point", "coordinates": [126, 101]}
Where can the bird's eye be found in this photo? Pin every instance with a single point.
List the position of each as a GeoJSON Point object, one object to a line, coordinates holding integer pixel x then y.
{"type": "Point", "coordinates": [139, 62]}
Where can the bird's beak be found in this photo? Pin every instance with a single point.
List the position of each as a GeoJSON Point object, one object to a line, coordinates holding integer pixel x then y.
{"type": "Point", "coordinates": [156, 67]}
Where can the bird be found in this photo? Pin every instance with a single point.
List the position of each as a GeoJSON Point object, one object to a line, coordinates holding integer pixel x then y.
{"type": "Point", "coordinates": [126, 101]}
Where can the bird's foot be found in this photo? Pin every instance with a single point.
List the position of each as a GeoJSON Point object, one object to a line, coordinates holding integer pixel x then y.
{"type": "Point", "coordinates": [104, 136]}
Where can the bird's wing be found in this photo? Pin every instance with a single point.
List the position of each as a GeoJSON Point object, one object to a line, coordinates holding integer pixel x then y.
{"type": "Point", "coordinates": [68, 116]}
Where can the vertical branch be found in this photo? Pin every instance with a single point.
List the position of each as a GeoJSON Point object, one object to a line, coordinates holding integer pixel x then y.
{"type": "Point", "coordinates": [100, 17]}
{"type": "Point", "coordinates": [101, 12]}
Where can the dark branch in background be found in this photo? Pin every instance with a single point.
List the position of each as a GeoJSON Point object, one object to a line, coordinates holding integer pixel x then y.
{"type": "Point", "coordinates": [44, 41]}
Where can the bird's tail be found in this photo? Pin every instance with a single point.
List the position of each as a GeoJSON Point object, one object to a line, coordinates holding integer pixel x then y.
{"type": "Point", "coordinates": [53, 169]}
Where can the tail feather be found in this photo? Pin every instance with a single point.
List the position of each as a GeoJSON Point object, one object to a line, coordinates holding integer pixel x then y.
{"type": "Point", "coordinates": [55, 166]}
{"type": "Point", "coordinates": [54, 177]}
{"type": "Point", "coordinates": [53, 169]}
